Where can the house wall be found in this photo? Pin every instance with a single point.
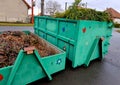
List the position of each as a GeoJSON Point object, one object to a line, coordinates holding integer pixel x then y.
{"type": "Point", "coordinates": [116, 20]}
{"type": "Point", "coordinates": [13, 10]}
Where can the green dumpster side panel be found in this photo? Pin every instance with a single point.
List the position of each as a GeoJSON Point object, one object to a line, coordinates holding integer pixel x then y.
{"type": "Point", "coordinates": [86, 40]}
{"type": "Point", "coordinates": [53, 24]}
{"type": "Point", "coordinates": [5, 72]}
{"type": "Point", "coordinates": [51, 39]}
{"type": "Point", "coordinates": [42, 24]}
{"type": "Point", "coordinates": [67, 29]}
{"type": "Point", "coordinates": [81, 39]}
{"type": "Point", "coordinates": [33, 71]}
{"type": "Point", "coordinates": [31, 67]}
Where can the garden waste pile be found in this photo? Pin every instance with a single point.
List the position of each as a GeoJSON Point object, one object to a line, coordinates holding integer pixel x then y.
{"type": "Point", "coordinates": [11, 42]}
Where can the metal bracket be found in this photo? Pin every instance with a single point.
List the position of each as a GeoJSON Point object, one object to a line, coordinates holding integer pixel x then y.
{"type": "Point", "coordinates": [29, 50]}
{"type": "Point", "coordinates": [95, 43]}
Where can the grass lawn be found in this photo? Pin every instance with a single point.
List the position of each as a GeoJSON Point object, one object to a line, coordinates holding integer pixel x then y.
{"type": "Point", "coordinates": [15, 24]}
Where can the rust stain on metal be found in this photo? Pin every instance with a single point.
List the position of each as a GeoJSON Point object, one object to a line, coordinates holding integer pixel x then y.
{"type": "Point", "coordinates": [84, 30]}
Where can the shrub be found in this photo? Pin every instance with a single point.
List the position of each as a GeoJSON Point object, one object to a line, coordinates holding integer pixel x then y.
{"type": "Point", "coordinates": [116, 25]}
{"type": "Point", "coordinates": [79, 13]}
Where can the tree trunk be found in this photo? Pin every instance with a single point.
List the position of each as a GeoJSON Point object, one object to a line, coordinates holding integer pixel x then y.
{"type": "Point", "coordinates": [42, 7]}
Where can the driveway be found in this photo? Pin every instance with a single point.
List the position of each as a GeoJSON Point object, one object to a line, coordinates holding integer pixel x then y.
{"type": "Point", "coordinates": [105, 72]}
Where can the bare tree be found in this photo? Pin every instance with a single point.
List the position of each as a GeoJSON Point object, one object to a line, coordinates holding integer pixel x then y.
{"type": "Point", "coordinates": [52, 7]}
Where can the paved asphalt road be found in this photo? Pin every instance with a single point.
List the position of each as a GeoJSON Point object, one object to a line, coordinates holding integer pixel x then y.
{"type": "Point", "coordinates": [105, 72]}
{"type": "Point", "coordinates": [16, 28]}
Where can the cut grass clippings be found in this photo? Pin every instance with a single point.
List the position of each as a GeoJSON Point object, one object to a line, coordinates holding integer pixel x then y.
{"type": "Point", "coordinates": [15, 24]}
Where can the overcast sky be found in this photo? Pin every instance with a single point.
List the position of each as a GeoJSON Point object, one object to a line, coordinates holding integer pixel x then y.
{"type": "Point", "coordinates": [95, 4]}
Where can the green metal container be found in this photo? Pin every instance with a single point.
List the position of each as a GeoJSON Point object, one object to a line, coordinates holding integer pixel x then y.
{"type": "Point", "coordinates": [83, 40]}
{"type": "Point", "coordinates": [31, 67]}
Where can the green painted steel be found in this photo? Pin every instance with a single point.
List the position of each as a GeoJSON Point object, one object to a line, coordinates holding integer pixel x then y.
{"type": "Point", "coordinates": [81, 39]}
{"type": "Point", "coordinates": [31, 67]}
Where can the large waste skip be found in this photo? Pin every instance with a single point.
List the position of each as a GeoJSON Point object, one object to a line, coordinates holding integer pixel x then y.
{"type": "Point", "coordinates": [29, 67]}
{"type": "Point", "coordinates": [83, 40]}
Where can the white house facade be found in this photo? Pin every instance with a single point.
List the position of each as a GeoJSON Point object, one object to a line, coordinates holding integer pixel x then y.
{"type": "Point", "coordinates": [13, 10]}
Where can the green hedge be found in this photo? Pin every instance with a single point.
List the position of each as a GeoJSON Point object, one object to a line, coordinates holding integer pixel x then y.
{"type": "Point", "coordinates": [79, 13]}
{"type": "Point", "coordinates": [116, 25]}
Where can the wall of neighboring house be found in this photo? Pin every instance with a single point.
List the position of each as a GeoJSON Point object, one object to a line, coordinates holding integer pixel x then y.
{"type": "Point", "coordinates": [116, 20]}
{"type": "Point", "coordinates": [13, 11]}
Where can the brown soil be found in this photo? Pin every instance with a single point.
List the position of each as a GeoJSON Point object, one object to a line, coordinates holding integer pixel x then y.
{"type": "Point", "coordinates": [12, 41]}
